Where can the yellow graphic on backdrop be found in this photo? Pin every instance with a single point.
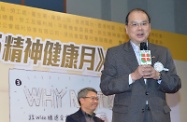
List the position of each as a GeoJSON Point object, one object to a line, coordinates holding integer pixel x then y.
{"type": "Point", "coordinates": [45, 24]}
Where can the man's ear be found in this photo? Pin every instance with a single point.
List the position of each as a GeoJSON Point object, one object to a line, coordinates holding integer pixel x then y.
{"type": "Point", "coordinates": [81, 100]}
{"type": "Point", "coordinates": [150, 27]}
{"type": "Point", "coordinates": [126, 29]}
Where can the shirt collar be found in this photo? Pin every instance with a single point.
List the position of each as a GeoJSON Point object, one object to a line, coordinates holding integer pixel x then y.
{"type": "Point", "coordinates": [88, 115]}
{"type": "Point", "coordinates": [135, 47]}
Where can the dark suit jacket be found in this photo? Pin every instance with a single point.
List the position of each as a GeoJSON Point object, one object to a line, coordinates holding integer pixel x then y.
{"type": "Point", "coordinates": [129, 101]}
{"type": "Point", "coordinates": [79, 117]}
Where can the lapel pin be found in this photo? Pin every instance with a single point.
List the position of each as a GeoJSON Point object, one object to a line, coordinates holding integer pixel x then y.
{"type": "Point", "coordinates": [153, 57]}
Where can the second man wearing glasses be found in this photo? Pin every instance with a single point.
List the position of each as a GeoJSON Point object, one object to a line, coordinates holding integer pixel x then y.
{"type": "Point", "coordinates": [88, 101]}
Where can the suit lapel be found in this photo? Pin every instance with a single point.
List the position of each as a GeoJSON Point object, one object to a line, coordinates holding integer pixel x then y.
{"type": "Point", "coordinates": [130, 57]}
{"type": "Point", "coordinates": [154, 54]}
{"type": "Point", "coordinates": [154, 57]}
{"type": "Point", "coordinates": [81, 116]}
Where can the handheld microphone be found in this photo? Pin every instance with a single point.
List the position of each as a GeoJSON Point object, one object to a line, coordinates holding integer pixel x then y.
{"type": "Point", "coordinates": [143, 46]}
{"type": "Point", "coordinates": [145, 54]}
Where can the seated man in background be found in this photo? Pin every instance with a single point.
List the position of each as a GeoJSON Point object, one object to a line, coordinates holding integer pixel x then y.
{"type": "Point", "coordinates": [88, 101]}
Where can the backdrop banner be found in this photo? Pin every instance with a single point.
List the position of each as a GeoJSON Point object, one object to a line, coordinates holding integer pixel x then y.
{"type": "Point", "coordinates": [37, 96]}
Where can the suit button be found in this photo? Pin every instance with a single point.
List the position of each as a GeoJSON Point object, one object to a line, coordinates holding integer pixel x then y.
{"type": "Point", "coordinates": [143, 110]}
{"type": "Point", "coordinates": [146, 93]}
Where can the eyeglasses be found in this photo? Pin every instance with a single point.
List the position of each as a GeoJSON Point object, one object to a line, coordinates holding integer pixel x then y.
{"type": "Point", "coordinates": [92, 98]}
{"type": "Point", "coordinates": [142, 24]}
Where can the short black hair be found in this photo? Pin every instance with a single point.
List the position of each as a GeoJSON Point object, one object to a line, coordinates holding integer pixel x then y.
{"type": "Point", "coordinates": [136, 9]}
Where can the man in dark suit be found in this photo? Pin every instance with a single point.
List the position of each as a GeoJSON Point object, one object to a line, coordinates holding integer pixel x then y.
{"type": "Point", "coordinates": [139, 89]}
{"type": "Point", "coordinates": [88, 100]}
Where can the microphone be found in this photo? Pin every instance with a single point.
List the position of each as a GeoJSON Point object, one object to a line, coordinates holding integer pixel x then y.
{"type": "Point", "coordinates": [143, 46]}
{"type": "Point", "coordinates": [145, 54]}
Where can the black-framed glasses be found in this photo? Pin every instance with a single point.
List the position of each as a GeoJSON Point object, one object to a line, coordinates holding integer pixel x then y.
{"type": "Point", "coordinates": [93, 98]}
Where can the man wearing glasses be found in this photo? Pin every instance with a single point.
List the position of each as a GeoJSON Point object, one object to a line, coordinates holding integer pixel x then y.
{"type": "Point", "coordinates": [88, 101]}
{"type": "Point", "coordinates": [140, 89]}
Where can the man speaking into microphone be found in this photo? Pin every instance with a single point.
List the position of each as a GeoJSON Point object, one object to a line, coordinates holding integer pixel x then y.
{"type": "Point", "coordinates": [139, 74]}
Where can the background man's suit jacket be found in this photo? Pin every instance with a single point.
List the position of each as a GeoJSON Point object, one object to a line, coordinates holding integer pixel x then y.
{"type": "Point", "coordinates": [130, 100]}
{"type": "Point", "coordinates": [79, 117]}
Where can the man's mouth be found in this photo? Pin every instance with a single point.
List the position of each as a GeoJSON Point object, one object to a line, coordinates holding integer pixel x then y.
{"type": "Point", "coordinates": [140, 34]}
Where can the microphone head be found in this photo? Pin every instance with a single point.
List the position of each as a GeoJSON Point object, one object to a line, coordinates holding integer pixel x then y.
{"type": "Point", "coordinates": [143, 46]}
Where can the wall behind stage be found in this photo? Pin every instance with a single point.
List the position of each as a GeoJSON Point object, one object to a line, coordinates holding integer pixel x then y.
{"type": "Point", "coordinates": [55, 5]}
{"type": "Point", "coordinates": [36, 42]}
